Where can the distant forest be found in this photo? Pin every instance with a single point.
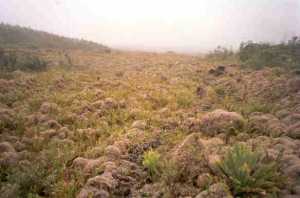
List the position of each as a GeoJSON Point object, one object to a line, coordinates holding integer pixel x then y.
{"type": "Point", "coordinates": [16, 37]}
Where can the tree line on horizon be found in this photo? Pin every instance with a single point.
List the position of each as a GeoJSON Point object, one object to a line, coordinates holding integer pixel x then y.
{"type": "Point", "coordinates": [261, 54]}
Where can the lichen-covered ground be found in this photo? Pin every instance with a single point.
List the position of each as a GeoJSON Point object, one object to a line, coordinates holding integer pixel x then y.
{"type": "Point", "coordinates": [133, 124]}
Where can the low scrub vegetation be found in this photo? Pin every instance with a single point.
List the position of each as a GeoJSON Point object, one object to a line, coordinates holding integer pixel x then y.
{"type": "Point", "coordinates": [10, 61]}
{"type": "Point", "coordinates": [145, 125]}
{"type": "Point", "coordinates": [258, 55]}
{"type": "Point", "coordinates": [221, 54]}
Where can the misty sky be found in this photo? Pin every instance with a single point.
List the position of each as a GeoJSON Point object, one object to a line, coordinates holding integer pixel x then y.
{"type": "Point", "coordinates": [193, 25]}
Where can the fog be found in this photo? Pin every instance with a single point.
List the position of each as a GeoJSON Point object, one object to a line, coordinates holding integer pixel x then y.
{"type": "Point", "coordinates": [159, 25]}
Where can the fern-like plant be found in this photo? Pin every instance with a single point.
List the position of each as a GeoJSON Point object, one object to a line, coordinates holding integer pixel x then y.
{"type": "Point", "coordinates": [249, 174]}
{"type": "Point", "coordinates": [151, 162]}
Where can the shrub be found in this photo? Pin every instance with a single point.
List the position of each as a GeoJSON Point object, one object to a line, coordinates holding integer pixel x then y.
{"type": "Point", "coordinates": [151, 162]}
{"type": "Point", "coordinates": [256, 106]}
{"type": "Point", "coordinates": [11, 61]}
{"type": "Point", "coordinates": [184, 99]}
{"type": "Point", "coordinates": [171, 173]}
{"type": "Point", "coordinates": [258, 55]}
{"type": "Point", "coordinates": [29, 181]}
{"type": "Point", "coordinates": [220, 91]}
{"type": "Point", "coordinates": [40, 176]}
{"type": "Point", "coordinates": [249, 174]}
{"type": "Point", "coordinates": [220, 53]}
{"type": "Point", "coordinates": [32, 63]}
{"type": "Point", "coordinates": [158, 100]}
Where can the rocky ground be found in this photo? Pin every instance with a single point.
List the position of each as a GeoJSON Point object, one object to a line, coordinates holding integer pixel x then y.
{"type": "Point", "coordinates": [148, 125]}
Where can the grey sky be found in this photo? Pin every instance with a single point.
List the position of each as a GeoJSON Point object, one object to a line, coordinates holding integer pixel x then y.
{"type": "Point", "coordinates": [179, 25]}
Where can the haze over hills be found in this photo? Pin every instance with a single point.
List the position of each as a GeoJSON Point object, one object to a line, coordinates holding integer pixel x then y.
{"type": "Point", "coordinates": [17, 36]}
{"type": "Point", "coordinates": [160, 25]}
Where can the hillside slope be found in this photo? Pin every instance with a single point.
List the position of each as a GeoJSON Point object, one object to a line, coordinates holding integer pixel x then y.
{"type": "Point", "coordinates": [16, 37]}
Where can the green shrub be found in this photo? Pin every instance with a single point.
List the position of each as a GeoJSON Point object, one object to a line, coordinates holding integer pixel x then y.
{"type": "Point", "coordinates": [151, 162]}
{"type": "Point", "coordinates": [41, 175]}
{"type": "Point", "coordinates": [28, 181]}
{"type": "Point", "coordinates": [11, 61]}
{"type": "Point", "coordinates": [38, 180]}
{"type": "Point", "coordinates": [32, 63]}
{"type": "Point", "coordinates": [220, 53]}
{"type": "Point", "coordinates": [220, 91]}
{"type": "Point", "coordinates": [158, 101]}
{"type": "Point", "coordinates": [258, 55]}
{"type": "Point", "coordinates": [184, 99]}
{"type": "Point", "coordinates": [171, 173]}
{"type": "Point", "coordinates": [256, 106]}
{"type": "Point", "coordinates": [249, 173]}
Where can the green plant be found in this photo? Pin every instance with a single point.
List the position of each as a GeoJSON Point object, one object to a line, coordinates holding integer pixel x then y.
{"type": "Point", "coordinates": [171, 175]}
{"type": "Point", "coordinates": [259, 55]}
{"type": "Point", "coordinates": [184, 99]}
{"type": "Point", "coordinates": [220, 53]}
{"type": "Point", "coordinates": [44, 175]}
{"type": "Point", "coordinates": [170, 172]}
{"type": "Point", "coordinates": [256, 106]}
{"type": "Point", "coordinates": [220, 91]}
{"type": "Point", "coordinates": [151, 162]}
{"type": "Point", "coordinates": [29, 180]}
{"type": "Point", "coordinates": [249, 174]}
{"type": "Point", "coordinates": [11, 61]}
{"type": "Point", "coordinates": [158, 101]}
